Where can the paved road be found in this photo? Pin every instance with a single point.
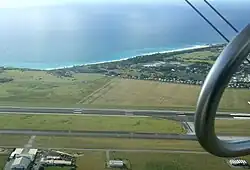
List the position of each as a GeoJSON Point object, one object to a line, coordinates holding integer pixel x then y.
{"type": "Point", "coordinates": [113, 134]}
{"type": "Point", "coordinates": [46, 110]}
{"type": "Point", "coordinates": [99, 134]}
{"type": "Point", "coordinates": [118, 150]}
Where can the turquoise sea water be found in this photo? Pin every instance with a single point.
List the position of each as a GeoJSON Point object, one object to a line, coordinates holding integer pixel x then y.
{"type": "Point", "coordinates": [66, 35]}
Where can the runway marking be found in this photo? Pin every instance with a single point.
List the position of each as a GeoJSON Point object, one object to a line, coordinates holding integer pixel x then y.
{"type": "Point", "coordinates": [240, 114]}
{"type": "Point", "coordinates": [77, 112]}
{"type": "Point", "coordinates": [242, 118]}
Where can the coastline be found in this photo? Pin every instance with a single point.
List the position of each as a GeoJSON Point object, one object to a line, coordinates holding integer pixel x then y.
{"type": "Point", "coordinates": [141, 54]}
{"type": "Point", "coordinates": [151, 53]}
{"type": "Point", "coordinates": [193, 47]}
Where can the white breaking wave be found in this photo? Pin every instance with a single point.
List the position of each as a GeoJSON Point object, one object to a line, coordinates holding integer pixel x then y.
{"type": "Point", "coordinates": [142, 54]}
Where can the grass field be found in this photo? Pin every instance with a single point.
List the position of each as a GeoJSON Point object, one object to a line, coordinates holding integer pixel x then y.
{"type": "Point", "coordinates": [114, 143]}
{"type": "Point", "coordinates": [95, 123]}
{"type": "Point", "coordinates": [13, 140]}
{"type": "Point", "coordinates": [139, 93]}
{"type": "Point", "coordinates": [200, 56]}
{"type": "Point", "coordinates": [3, 158]}
{"type": "Point", "coordinates": [233, 127]}
{"type": "Point", "coordinates": [165, 161]}
{"type": "Point", "coordinates": [38, 88]}
{"type": "Point", "coordinates": [105, 143]}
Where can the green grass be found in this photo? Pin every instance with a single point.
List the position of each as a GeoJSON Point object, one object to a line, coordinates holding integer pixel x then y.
{"type": "Point", "coordinates": [3, 159]}
{"type": "Point", "coordinates": [200, 56]}
{"type": "Point", "coordinates": [233, 127]}
{"type": "Point", "coordinates": [167, 161]}
{"type": "Point", "coordinates": [154, 161]}
{"type": "Point", "coordinates": [38, 88]}
{"type": "Point", "coordinates": [149, 94]}
{"type": "Point", "coordinates": [13, 140]}
{"type": "Point", "coordinates": [93, 143]}
{"type": "Point", "coordinates": [93, 123]}
{"type": "Point", "coordinates": [114, 143]}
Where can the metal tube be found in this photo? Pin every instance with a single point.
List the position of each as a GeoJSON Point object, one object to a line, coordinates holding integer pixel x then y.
{"type": "Point", "coordinates": [214, 85]}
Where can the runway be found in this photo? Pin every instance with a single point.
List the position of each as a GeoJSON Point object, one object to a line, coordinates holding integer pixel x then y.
{"type": "Point", "coordinates": [99, 134]}
{"type": "Point", "coordinates": [177, 151]}
{"type": "Point", "coordinates": [110, 112]}
{"type": "Point", "coordinates": [112, 134]}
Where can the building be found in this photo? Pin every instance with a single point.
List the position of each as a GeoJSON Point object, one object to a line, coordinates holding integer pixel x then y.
{"type": "Point", "coordinates": [16, 151]}
{"type": "Point", "coordinates": [21, 159]}
{"type": "Point", "coordinates": [52, 162]}
{"type": "Point", "coordinates": [116, 164]}
{"type": "Point", "coordinates": [238, 163]}
{"type": "Point", "coordinates": [21, 162]}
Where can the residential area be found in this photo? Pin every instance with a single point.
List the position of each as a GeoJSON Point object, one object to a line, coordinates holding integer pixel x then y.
{"type": "Point", "coordinates": [185, 67]}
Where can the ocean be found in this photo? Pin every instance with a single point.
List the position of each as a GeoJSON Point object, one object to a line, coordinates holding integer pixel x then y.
{"type": "Point", "coordinates": [74, 34]}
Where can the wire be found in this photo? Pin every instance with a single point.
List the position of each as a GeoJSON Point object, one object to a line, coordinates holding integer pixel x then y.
{"type": "Point", "coordinates": [222, 17]}
{"type": "Point", "coordinates": [218, 31]}
{"type": "Point", "coordinates": [217, 12]}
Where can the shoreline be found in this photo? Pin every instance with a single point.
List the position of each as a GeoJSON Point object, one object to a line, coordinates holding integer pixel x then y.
{"type": "Point", "coordinates": [142, 54]}
{"type": "Point", "coordinates": [194, 47]}
{"type": "Point", "coordinates": [152, 53]}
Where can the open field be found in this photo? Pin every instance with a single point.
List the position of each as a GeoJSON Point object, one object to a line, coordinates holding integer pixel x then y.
{"type": "Point", "coordinates": [114, 143]}
{"type": "Point", "coordinates": [233, 127]}
{"type": "Point", "coordinates": [139, 93]}
{"type": "Point", "coordinates": [38, 88]}
{"type": "Point", "coordinates": [14, 140]}
{"type": "Point", "coordinates": [165, 161]}
{"type": "Point", "coordinates": [3, 159]}
{"type": "Point", "coordinates": [199, 56]}
{"type": "Point", "coordinates": [93, 143]}
{"type": "Point", "coordinates": [92, 123]}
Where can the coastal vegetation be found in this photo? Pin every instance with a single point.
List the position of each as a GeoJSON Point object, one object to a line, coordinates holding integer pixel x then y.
{"type": "Point", "coordinates": [156, 81]}
{"type": "Point", "coordinates": [192, 64]}
{"type": "Point", "coordinates": [189, 66]}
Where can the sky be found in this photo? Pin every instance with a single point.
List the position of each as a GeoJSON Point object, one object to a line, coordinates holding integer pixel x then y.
{"type": "Point", "coordinates": [31, 3]}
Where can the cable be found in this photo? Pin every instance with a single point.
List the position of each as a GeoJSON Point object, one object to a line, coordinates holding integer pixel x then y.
{"type": "Point", "coordinates": [222, 17]}
{"type": "Point", "coordinates": [218, 31]}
